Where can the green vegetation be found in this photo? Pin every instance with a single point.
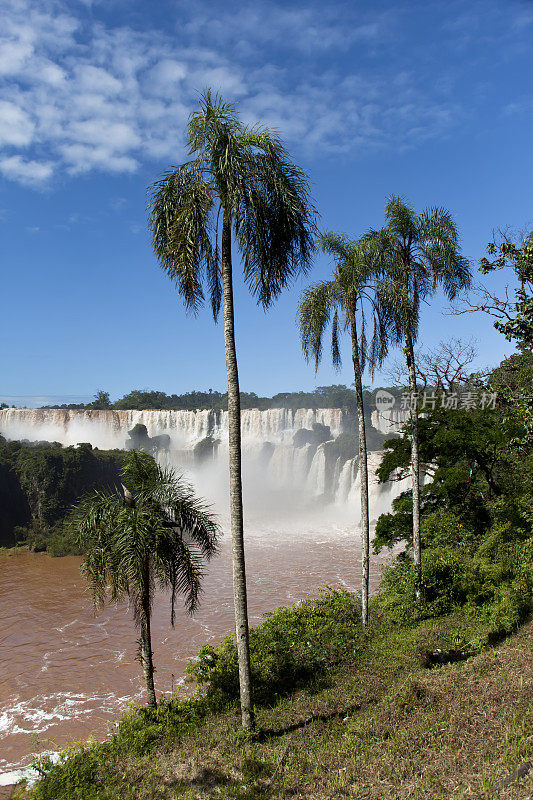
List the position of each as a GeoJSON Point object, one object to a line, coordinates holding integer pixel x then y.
{"type": "Point", "coordinates": [337, 396]}
{"type": "Point", "coordinates": [38, 485]}
{"type": "Point", "coordinates": [476, 512]}
{"type": "Point", "coordinates": [341, 711]}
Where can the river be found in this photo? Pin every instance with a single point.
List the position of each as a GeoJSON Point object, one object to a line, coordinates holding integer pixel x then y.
{"type": "Point", "coordinates": [67, 674]}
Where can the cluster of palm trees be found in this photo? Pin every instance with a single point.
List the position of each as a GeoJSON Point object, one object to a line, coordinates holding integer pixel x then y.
{"type": "Point", "coordinates": [380, 281]}
{"type": "Point", "coordinates": [240, 188]}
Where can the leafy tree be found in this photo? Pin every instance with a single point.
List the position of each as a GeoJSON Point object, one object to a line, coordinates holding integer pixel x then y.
{"type": "Point", "coordinates": [476, 512]}
{"type": "Point", "coordinates": [513, 318]}
{"type": "Point", "coordinates": [419, 253]}
{"type": "Point", "coordinates": [52, 478]}
{"type": "Point", "coordinates": [466, 457]}
{"type": "Point", "coordinates": [101, 401]}
{"type": "Point", "coordinates": [352, 299]}
{"type": "Point", "coordinates": [241, 181]}
{"type": "Point", "coordinates": [154, 532]}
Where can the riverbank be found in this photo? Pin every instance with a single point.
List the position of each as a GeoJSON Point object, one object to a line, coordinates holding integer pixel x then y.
{"type": "Point", "coordinates": [373, 720]}
{"type": "Point", "coordinates": [68, 674]}
{"type": "Point", "coordinates": [8, 552]}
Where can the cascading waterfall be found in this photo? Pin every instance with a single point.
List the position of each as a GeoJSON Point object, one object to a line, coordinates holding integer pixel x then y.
{"type": "Point", "coordinates": [284, 450]}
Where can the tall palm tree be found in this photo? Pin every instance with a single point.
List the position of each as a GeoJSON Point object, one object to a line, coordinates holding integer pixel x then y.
{"type": "Point", "coordinates": [419, 253]}
{"type": "Point", "coordinates": [241, 183]}
{"type": "Point", "coordinates": [154, 532]}
{"type": "Point", "coordinates": [354, 295]}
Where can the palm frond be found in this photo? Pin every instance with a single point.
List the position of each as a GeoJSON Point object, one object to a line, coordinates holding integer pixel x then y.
{"type": "Point", "coordinates": [214, 116]}
{"type": "Point", "coordinates": [314, 313]}
{"type": "Point", "coordinates": [439, 246]}
{"type": "Point", "coordinates": [400, 217]}
{"type": "Point", "coordinates": [181, 206]}
{"type": "Point", "coordinates": [337, 245]}
{"type": "Point", "coordinates": [274, 219]}
{"type": "Point", "coordinates": [335, 349]}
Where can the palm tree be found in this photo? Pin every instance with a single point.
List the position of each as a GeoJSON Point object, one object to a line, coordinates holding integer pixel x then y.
{"type": "Point", "coordinates": [153, 533]}
{"type": "Point", "coordinates": [418, 253]}
{"type": "Point", "coordinates": [241, 182]}
{"type": "Point", "coordinates": [354, 295]}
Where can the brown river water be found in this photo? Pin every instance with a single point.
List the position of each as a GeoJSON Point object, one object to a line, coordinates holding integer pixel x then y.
{"type": "Point", "coordinates": [66, 674]}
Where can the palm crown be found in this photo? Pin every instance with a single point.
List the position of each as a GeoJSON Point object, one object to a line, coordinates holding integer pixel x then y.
{"type": "Point", "coordinates": [418, 253]}
{"type": "Point", "coordinates": [155, 532]}
{"type": "Point", "coordinates": [356, 287]}
{"type": "Point", "coordinates": [245, 174]}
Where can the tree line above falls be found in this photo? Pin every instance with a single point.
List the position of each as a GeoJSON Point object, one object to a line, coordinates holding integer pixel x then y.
{"type": "Point", "coordinates": [335, 396]}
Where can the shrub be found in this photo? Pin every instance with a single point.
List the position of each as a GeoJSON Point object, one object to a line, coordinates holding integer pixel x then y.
{"type": "Point", "coordinates": [500, 590]}
{"type": "Point", "coordinates": [291, 648]}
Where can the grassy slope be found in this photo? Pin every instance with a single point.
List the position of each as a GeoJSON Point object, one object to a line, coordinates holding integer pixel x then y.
{"type": "Point", "coordinates": [381, 727]}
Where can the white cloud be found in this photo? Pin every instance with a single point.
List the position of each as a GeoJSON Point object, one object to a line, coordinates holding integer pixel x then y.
{"type": "Point", "coordinates": [16, 127]}
{"type": "Point", "coordinates": [13, 56]}
{"type": "Point", "coordinates": [95, 79]}
{"type": "Point", "coordinates": [31, 173]}
{"type": "Point", "coordinates": [77, 95]}
{"type": "Point", "coordinates": [81, 158]}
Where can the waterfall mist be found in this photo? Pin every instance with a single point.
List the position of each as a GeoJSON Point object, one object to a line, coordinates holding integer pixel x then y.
{"type": "Point", "coordinates": [296, 475]}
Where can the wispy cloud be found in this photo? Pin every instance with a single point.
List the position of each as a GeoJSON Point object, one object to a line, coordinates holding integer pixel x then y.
{"type": "Point", "coordinates": [30, 173]}
{"type": "Point", "coordinates": [78, 95]}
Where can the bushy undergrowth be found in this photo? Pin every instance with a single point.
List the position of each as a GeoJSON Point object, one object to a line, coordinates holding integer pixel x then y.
{"type": "Point", "coordinates": [497, 589]}
{"type": "Point", "coordinates": [292, 647]}
{"type": "Point", "coordinates": [83, 773]}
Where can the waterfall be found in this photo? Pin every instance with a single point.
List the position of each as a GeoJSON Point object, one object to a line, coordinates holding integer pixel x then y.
{"type": "Point", "coordinates": [390, 420]}
{"type": "Point", "coordinates": [274, 458]}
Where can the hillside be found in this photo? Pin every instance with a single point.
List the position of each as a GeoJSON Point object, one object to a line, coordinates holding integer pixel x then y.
{"type": "Point", "coordinates": [377, 724]}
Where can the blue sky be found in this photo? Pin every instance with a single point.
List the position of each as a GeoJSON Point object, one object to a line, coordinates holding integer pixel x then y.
{"type": "Point", "coordinates": [431, 100]}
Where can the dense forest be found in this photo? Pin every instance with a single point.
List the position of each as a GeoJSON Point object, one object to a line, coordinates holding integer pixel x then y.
{"type": "Point", "coordinates": [39, 482]}
{"type": "Point", "coordinates": [476, 505]}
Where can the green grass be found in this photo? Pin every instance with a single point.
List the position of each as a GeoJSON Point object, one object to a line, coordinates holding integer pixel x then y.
{"type": "Point", "coordinates": [370, 721]}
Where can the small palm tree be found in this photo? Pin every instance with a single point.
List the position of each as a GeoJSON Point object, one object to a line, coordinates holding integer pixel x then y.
{"type": "Point", "coordinates": [354, 295]}
{"type": "Point", "coordinates": [155, 533]}
{"type": "Point", "coordinates": [240, 184]}
{"type": "Point", "coordinates": [418, 253]}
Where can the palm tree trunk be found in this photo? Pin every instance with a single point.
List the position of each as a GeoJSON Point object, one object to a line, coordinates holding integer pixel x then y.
{"type": "Point", "coordinates": [235, 485]}
{"type": "Point", "coordinates": [146, 648]}
{"type": "Point", "coordinates": [363, 467]}
{"type": "Point", "coordinates": [415, 465]}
